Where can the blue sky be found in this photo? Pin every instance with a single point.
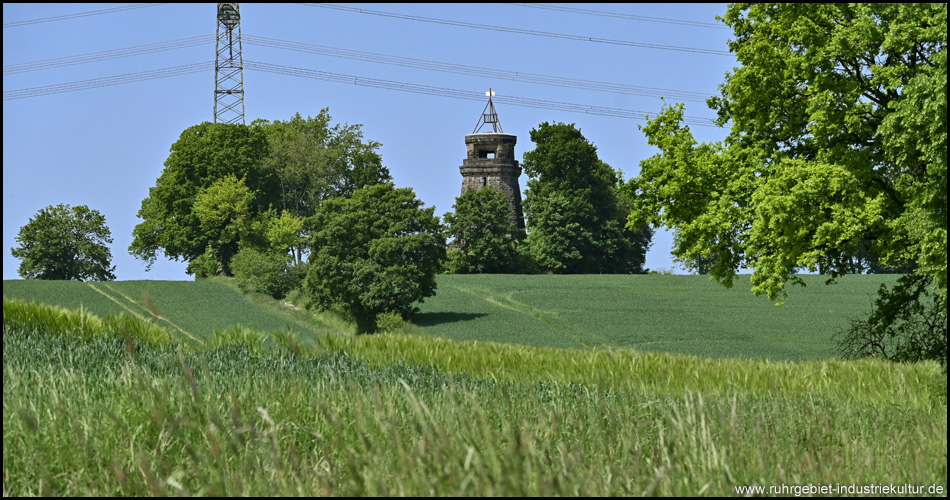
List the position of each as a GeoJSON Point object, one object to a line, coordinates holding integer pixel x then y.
{"type": "Point", "coordinates": [104, 145]}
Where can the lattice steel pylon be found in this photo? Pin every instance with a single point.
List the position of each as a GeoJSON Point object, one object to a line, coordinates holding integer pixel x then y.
{"type": "Point", "coordinates": [228, 66]}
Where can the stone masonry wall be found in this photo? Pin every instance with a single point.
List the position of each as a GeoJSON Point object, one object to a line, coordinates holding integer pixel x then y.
{"type": "Point", "coordinates": [491, 162]}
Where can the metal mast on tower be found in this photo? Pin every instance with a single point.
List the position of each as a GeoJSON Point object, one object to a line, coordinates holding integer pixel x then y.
{"type": "Point", "coordinates": [489, 115]}
{"type": "Point", "coordinates": [228, 66]}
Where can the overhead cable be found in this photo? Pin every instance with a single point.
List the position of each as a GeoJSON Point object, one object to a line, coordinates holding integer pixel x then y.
{"type": "Point", "coordinates": [477, 70]}
{"type": "Point", "coordinates": [458, 94]}
{"type": "Point", "coordinates": [104, 55]}
{"type": "Point", "coordinates": [339, 78]}
{"type": "Point", "coordinates": [679, 95]}
{"type": "Point", "coordinates": [79, 14]}
{"type": "Point", "coordinates": [522, 31]}
{"type": "Point", "coordinates": [633, 17]}
{"type": "Point", "coordinates": [94, 83]}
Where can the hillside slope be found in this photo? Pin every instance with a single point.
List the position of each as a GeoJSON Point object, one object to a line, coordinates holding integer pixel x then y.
{"type": "Point", "coordinates": [682, 314]}
{"type": "Point", "coordinates": [194, 309]}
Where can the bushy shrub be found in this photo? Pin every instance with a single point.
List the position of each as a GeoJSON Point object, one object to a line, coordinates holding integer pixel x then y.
{"type": "Point", "coordinates": [486, 239]}
{"type": "Point", "coordinates": [389, 322]}
{"type": "Point", "coordinates": [266, 273]}
{"type": "Point", "coordinates": [205, 265]}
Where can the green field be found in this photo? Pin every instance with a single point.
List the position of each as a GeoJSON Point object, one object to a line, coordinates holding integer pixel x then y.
{"type": "Point", "coordinates": [88, 411]}
{"type": "Point", "coordinates": [408, 415]}
{"type": "Point", "coordinates": [684, 314]}
{"type": "Point", "coordinates": [194, 309]}
{"type": "Point", "coordinates": [681, 314]}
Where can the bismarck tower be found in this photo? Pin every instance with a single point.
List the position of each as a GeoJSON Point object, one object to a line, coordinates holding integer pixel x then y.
{"type": "Point", "coordinates": [491, 162]}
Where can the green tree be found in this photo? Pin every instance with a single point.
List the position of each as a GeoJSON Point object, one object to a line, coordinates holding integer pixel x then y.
{"type": "Point", "coordinates": [838, 137]}
{"type": "Point", "coordinates": [838, 145]}
{"type": "Point", "coordinates": [863, 261]}
{"type": "Point", "coordinates": [314, 161]}
{"type": "Point", "coordinates": [224, 215]}
{"type": "Point", "coordinates": [203, 155]}
{"type": "Point", "coordinates": [285, 233]}
{"type": "Point", "coordinates": [373, 253]}
{"type": "Point", "coordinates": [699, 264]}
{"type": "Point", "coordinates": [486, 240]}
{"type": "Point", "coordinates": [575, 216]}
{"type": "Point", "coordinates": [65, 243]}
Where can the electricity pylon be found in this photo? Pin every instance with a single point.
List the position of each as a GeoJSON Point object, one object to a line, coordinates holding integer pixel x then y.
{"type": "Point", "coordinates": [228, 66]}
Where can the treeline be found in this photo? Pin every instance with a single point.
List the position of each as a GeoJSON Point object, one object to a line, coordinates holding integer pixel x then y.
{"type": "Point", "coordinates": [306, 204]}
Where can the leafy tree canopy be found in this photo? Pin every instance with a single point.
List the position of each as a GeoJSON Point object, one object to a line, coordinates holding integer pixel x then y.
{"type": "Point", "coordinates": [485, 237]}
{"type": "Point", "coordinates": [575, 217]}
{"type": "Point", "coordinates": [65, 243]}
{"type": "Point", "coordinates": [224, 212]}
{"type": "Point", "coordinates": [231, 185]}
{"type": "Point", "coordinates": [376, 252]}
{"type": "Point", "coordinates": [314, 161]}
{"type": "Point", "coordinates": [838, 140]}
{"type": "Point", "coordinates": [203, 155]}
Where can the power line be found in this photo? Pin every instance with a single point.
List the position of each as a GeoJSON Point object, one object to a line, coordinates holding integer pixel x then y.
{"type": "Point", "coordinates": [522, 31]}
{"type": "Point", "coordinates": [477, 70]}
{"type": "Point", "coordinates": [362, 56]}
{"type": "Point", "coordinates": [458, 94]}
{"type": "Point", "coordinates": [105, 55]}
{"type": "Point", "coordinates": [106, 81]}
{"type": "Point", "coordinates": [697, 24]}
{"type": "Point", "coordinates": [338, 78]}
{"type": "Point", "coordinates": [79, 14]}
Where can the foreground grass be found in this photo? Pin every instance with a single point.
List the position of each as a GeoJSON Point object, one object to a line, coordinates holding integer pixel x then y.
{"type": "Point", "coordinates": [407, 415]}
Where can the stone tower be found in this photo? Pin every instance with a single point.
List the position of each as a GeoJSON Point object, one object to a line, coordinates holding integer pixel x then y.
{"type": "Point", "coordinates": [491, 162]}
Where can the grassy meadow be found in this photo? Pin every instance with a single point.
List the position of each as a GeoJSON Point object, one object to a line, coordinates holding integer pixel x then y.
{"type": "Point", "coordinates": [668, 313]}
{"type": "Point", "coordinates": [129, 405]}
{"type": "Point", "coordinates": [681, 314]}
{"type": "Point", "coordinates": [194, 310]}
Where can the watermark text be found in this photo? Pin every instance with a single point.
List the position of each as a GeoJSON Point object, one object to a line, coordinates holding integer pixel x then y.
{"type": "Point", "coordinates": [841, 489]}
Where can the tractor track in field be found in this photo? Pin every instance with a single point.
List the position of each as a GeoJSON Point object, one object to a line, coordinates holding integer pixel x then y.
{"type": "Point", "coordinates": [141, 307]}
{"type": "Point", "coordinates": [549, 318]}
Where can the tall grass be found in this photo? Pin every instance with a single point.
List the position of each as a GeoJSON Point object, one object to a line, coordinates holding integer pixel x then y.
{"type": "Point", "coordinates": [871, 381]}
{"type": "Point", "coordinates": [58, 321]}
{"type": "Point", "coordinates": [402, 415]}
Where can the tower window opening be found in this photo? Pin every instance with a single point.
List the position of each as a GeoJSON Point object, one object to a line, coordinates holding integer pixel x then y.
{"type": "Point", "coordinates": [484, 181]}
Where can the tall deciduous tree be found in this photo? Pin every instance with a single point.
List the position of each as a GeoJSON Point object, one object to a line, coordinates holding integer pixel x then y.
{"type": "Point", "coordinates": [376, 252]}
{"type": "Point", "coordinates": [838, 139]}
{"type": "Point", "coordinates": [65, 243]}
{"type": "Point", "coordinates": [575, 219]}
{"type": "Point", "coordinates": [486, 240]}
{"type": "Point", "coordinates": [314, 161]}
{"type": "Point", "coordinates": [202, 156]}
